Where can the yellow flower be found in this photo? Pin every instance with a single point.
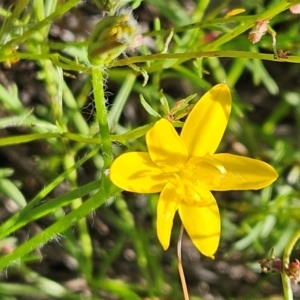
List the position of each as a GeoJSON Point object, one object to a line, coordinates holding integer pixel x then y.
{"type": "Point", "coordinates": [185, 169]}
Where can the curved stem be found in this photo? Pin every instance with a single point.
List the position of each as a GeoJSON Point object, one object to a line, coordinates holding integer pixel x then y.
{"type": "Point", "coordinates": [286, 285]}
{"type": "Point", "coordinates": [286, 282]}
{"type": "Point", "coordinates": [180, 268]}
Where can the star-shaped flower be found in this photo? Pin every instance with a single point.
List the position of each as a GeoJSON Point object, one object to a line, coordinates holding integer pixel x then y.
{"type": "Point", "coordinates": [185, 169]}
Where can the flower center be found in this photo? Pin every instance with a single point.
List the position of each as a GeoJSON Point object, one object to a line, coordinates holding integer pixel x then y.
{"type": "Point", "coordinates": [198, 177]}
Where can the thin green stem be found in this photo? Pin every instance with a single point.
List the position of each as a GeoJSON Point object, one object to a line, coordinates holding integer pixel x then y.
{"type": "Point", "coordinates": [286, 282]}
{"type": "Point", "coordinates": [21, 139]}
{"type": "Point", "coordinates": [199, 54]}
{"type": "Point", "coordinates": [102, 116]}
{"type": "Point", "coordinates": [70, 65]}
{"type": "Point", "coordinates": [121, 138]}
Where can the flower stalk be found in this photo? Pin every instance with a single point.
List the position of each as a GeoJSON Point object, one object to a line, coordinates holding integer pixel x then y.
{"type": "Point", "coordinates": [99, 99]}
{"type": "Point", "coordinates": [180, 268]}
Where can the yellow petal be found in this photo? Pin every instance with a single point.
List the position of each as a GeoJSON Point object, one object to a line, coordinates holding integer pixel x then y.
{"type": "Point", "coordinates": [135, 172]}
{"type": "Point", "coordinates": [167, 205]}
{"type": "Point", "coordinates": [166, 148]}
{"type": "Point", "coordinates": [234, 12]}
{"type": "Point", "coordinates": [244, 173]}
{"type": "Point", "coordinates": [203, 225]}
{"type": "Point", "coordinates": [205, 125]}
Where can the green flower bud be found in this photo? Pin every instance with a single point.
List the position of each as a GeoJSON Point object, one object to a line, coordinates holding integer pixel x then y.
{"type": "Point", "coordinates": [112, 36]}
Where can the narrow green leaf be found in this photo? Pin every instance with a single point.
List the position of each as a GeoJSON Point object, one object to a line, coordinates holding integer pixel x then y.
{"type": "Point", "coordinates": [164, 103]}
{"type": "Point", "coordinates": [148, 108]}
{"type": "Point", "coordinates": [9, 189]}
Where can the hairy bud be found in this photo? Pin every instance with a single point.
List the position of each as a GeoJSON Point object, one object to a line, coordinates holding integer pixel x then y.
{"type": "Point", "coordinates": [112, 36]}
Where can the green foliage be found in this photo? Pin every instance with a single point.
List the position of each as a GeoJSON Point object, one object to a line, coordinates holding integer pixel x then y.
{"type": "Point", "coordinates": [54, 187]}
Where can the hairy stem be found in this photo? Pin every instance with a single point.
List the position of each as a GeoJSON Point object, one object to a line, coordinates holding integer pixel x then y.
{"type": "Point", "coordinates": [99, 97]}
